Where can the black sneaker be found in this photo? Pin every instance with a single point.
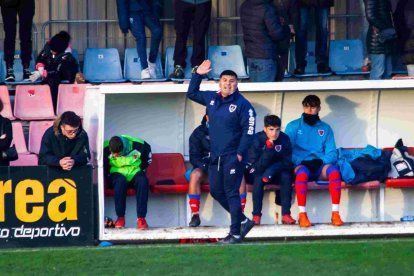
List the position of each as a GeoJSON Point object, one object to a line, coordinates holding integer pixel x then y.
{"type": "Point", "coordinates": [245, 228]}
{"type": "Point", "coordinates": [10, 74]}
{"type": "Point", "coordinates": [26, 74]}
{"type": "Point", "coordinates": [299, 71]}
{"type": "Point", "coordinates": [230, 239]}
{"type": "Point", "coordinates": [178, 72]}
{"type": "Point", "coordinates": [195, 221]}
{"type": "Point", "coordinates": [324, 69]}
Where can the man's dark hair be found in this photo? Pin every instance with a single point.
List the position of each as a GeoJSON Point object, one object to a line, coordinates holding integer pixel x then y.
{"type": "Point", "coordinates": [116, 145]}
{"type": "Point", "coordinates": [65, 36]}
{"type": "Point", "coordinates": [312, 101]}
{"type": "Point", "coordinates": [272, 120]}
{"type": "Point", "coordinates": [70, 118]}
{"type": "Point", "coordinates": [228, 73]}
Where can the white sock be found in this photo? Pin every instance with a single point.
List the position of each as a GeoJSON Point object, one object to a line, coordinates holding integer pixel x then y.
{"type": "Point", "coordinates": [302, 209]}
{"type": "Point", "coordinates": [236, 236]}
{"type": "Point", "coordinates": [335, 207]}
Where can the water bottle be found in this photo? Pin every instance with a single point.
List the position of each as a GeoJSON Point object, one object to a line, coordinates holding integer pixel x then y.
{"type": "Point", "coordinates": [407, 218]}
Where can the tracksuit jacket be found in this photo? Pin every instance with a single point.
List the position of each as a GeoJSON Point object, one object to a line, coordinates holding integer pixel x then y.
{"type": "Point", "coordinates": [231, 119]}
{"type": "Point", "coordinates": [200, 147]}
{"type": "Point", "coordinates": [311, 142]}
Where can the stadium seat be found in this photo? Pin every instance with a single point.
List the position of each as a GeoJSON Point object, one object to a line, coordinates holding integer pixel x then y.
{"type": "Point", "coordinates": [18, 68]}
{"type": "Point", "coordinates": [71, 98]}
{"type": "Point", "coordinates": [311, 69]}
{"type": "Point", "coordinates": [33, 102]}
{"type": "Point", "coordinates": [226, 58]}
{"type": "Point", "coordinates": [346, 57]}
{"type": "Point", "coordinates": [400, 182]}
{"type": "Point", "coordinates": [166, 173]}
{"type": "Point", "coordinates": [169, 63]}
{"type": "Point", "coordinates": [102, 65]}
{"type": "Point", "coordinates": [5, 98]}
{"type": "Point", "coordinates": [132, 66]}
{"type": "Point", "coordinates": [25, 157]}
{"type": "Point", "coordinates": [75, 54]}
{"type": "Point", "coordinates": [36, 131]}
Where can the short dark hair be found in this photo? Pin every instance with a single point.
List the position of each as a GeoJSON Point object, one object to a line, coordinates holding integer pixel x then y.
{"type": "Point", "coordinates": [116, 145]}
{"type": "Point", "coordinates": [228, 73]}
{"type": "Point", "coordinates": [65, 36]}
{"type": "Point", "coordinates": [312, 101]}
{"type": "Point", "coordinates": [272, 120]}
{"type": "Point", "coordinates": [70, 118]}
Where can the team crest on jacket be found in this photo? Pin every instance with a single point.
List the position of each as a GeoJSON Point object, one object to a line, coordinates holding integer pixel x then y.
{"type": "Point", "coordinates": [232, 107]}
{"type": "Point", "coordinates": [278, 148]}
{"type": "Point", "coordinates": [321, 132]}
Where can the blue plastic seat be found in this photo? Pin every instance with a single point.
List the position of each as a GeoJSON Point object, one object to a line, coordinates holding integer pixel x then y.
{"type": "Point", "coordinates": [102, 65]}
{"type": "Point", "coordinates": [226, 58]}
{"type": "Point", "coordinates": [169, 63]}
{"type": "Point", "coordinates": [346, 57]}
{"type": "Point", "coordinates": [311, 69]}
{"type": "Point", "coordinates": [18, 68]}
{"type": "Point", "coordinates": [132, 66]}
{"type": "Point", "coordinates": [75, 54]}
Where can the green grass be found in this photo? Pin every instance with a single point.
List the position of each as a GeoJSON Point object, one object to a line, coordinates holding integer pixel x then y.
{"type": "Point", "coordinates": [359, 257]}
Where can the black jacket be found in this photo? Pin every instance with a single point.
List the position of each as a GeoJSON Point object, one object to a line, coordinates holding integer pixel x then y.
{"type": "Point", "coordinates": [6, 142]}
{"type": "Point", "coordinates": [316, 3]}
{"type": "Point", "coordinates": [261, 29]}
{"type": "Point", "coordinates": [200, 147]}
{"type": "Point", "coordinates": [378, 13]}
{"type": "Point", "coordinates": [260, 157]}
{"type": "Point", "coordinates": [404, 24]}
{"type": "Point", "coordinates": [55, 146]}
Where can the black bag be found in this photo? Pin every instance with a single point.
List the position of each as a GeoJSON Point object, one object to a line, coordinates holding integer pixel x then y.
{"type": "Point", "coordinates": [387, 35]}
{"type": "Point", "coordinates": [9, 154]}
{"type": "Point", "coordinates": [9, 3]}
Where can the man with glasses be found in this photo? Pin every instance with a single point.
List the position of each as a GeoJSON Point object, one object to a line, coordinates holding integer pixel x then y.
{"type": "Point", "coordinates": [65, 144]}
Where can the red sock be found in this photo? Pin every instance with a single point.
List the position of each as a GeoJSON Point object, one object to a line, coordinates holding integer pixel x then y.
{"type": "Point", "coordinates": [335, 186]}
{"type": "Point", "coordinates": [301, 187]}
{"type": "Point", "coordinates": [194, 205]}
{"type": "Point", "coordinates": [243, 203]}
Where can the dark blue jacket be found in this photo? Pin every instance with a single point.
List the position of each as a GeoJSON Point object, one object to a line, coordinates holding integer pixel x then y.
{"type": "Point", "coordinates": [260, 157]}
{"type": "Point", "coordinates": [126, 8]}
{"type": "Point", "coordinates": [200, 147]}
{"type": "Point", "coordinates": [231, 119]}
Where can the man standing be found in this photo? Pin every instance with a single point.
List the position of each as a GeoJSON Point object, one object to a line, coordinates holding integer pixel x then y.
{"type": "Point", "coordinates": [195, 14]}
{"type": "Point", "coordinates": [125, 161]}
{"type": "Point", "coordinates": [270, 158]}
{"type": "Point", "coordinates": [261, 32]}
{"type": "Point", "coordinates": [314, 155]}
{"type": "Point", "coordinates": [231, 130]}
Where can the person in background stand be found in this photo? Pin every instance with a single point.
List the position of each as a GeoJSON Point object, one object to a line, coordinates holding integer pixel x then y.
{"type": "Point", "coordinates": [404, 24]}
{"type": "Point", "coordinates": [10, 10]}
{"type": "Point", "coordinates": [6, 136]}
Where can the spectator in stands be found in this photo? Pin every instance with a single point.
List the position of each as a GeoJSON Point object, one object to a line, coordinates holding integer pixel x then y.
{"type": "Point", "coordinates": [6, 137]}
{"type": "Point", "coordinates": [125, 162]}
{"type": "Point", "coordinates": [287, 12]}
{"type": "Point", "coordinates": [25, 10]}
{"type": "Point", "coordinates": [366, 67]}
{"type": "Point", "coordinates": [55, 64]}
{"type": "Point", "coordinates": [314, 155]}
{"type": "Point", "coordinates": [200, 159]}
{"type": "Point", "coordinates": [135, 15]}
{"type": "Point", "coordinates": [65, 144]}
{"type": "Point", "coordinates": [231, 130]}
{"type": "Point", "coordinates": [261, 32]}
{"type": "Point", "coordinates": [321, 8]}
{"type": "Point", "coordinates": [270, 161]}
{"type": "Point", "coordinates": [196, 14]}
{"type": "Point", "coordinates": [404, 23]}
{"type": "Point", "coordinates": [379, 44]}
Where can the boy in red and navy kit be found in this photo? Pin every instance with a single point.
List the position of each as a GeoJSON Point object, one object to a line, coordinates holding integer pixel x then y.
{"type": "Point", "coordinates": [270, 161]}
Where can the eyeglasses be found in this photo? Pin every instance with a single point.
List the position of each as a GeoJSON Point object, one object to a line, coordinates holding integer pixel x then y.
{"type": "Point", "coordinates": [71, 131]}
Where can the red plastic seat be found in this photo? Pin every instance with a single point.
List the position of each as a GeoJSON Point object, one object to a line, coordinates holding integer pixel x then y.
{"type": "Point", "coordinates": [5, 98]}
{"type": "Point", "coordinates": [166, 173]}
{"type": "Point", "coordinates": [36, 131]}
{"type": "Point", "coordinates": [71, 98]}
{"type": "Point", "coordinates": [400, 182]}
{"type": "Point", "coordinates": [33, 102]}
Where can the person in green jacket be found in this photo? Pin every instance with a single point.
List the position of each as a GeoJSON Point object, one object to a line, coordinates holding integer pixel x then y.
{"type": "Point", "coordinates": [125, 162]}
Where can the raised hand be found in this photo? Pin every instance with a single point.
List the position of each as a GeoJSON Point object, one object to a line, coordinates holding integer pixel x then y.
{"type": "Point", "coordinates": [204, 67]}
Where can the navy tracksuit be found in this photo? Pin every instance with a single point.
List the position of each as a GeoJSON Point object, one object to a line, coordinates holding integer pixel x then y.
{"type": "Point", "coordinates": [231, 129]}
{"type": "Point", "coordinates": [200, 147]}
{"type": "Point", "coordinates": [275, 164]}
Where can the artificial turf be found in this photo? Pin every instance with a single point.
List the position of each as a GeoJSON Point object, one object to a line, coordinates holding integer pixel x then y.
{"type": "Point", "coordinates": [330, 257]}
